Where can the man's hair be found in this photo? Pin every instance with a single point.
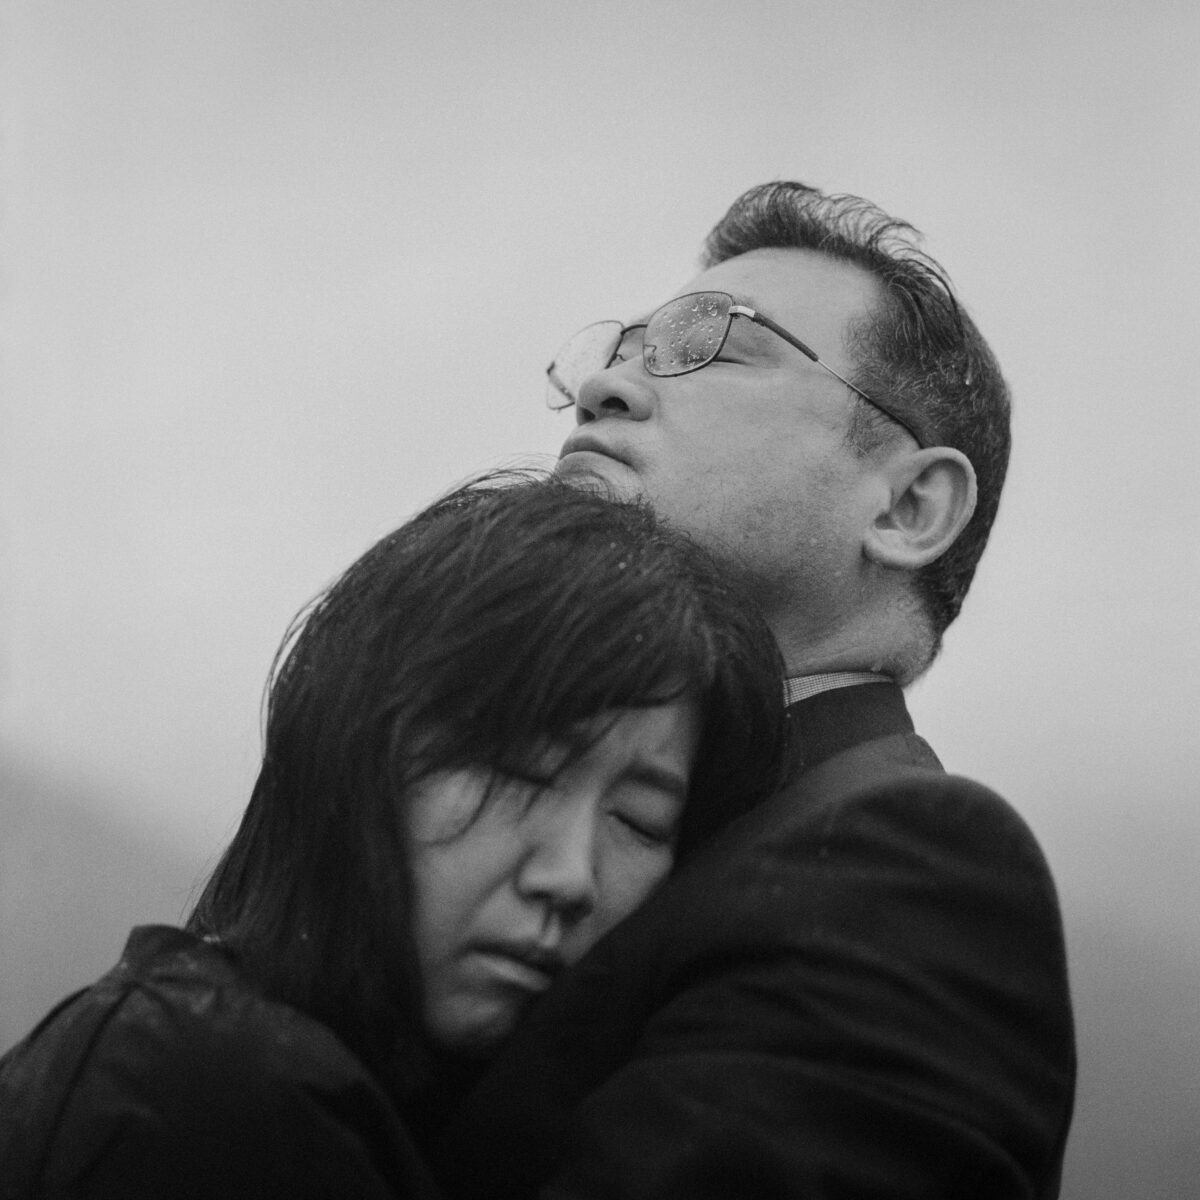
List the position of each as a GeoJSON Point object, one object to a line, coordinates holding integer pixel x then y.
{"type": "Point", "coordinates": [918, 352]}
{"type": "Point", "coordinates": [492, 623]}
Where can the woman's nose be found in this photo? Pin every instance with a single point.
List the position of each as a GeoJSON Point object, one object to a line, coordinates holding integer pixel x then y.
{"type": "Point", "coordinates": [559, 863]}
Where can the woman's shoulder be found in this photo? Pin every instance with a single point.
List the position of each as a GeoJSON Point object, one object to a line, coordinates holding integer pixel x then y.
{"type": "Point", "coordinates": [174, 1062]}
{"type": "Point", "coordinates": [177, 1001]}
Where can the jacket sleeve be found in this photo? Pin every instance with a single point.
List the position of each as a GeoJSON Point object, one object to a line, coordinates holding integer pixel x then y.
{"type": "Point", "coordinates": [874, 1006]}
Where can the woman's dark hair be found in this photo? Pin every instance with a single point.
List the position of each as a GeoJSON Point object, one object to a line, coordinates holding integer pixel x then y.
{"type": "Point", "coordinates": [499, 617]}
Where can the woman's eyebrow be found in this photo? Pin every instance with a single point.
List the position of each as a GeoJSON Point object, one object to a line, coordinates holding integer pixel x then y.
{"type": "Point", "coordinates": [662, 778]}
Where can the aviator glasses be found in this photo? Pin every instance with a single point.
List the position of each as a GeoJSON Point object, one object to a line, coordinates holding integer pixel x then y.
{"type": "Point", "coordinates": [682, 336]}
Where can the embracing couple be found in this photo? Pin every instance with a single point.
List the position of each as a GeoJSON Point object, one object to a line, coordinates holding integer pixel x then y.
{"type": "Point", "coordinates": [593, 852]}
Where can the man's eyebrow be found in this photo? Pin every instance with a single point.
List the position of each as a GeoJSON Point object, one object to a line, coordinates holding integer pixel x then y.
{"type": "Point", "coordinates": [747, 301]}
{"type": "Point", "coordinates": [758, 334]}
{"type": "Point", "coordinates": [741, 298]}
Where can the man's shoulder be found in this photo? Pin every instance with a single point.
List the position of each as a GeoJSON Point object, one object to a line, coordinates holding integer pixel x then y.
{"type": "Point", "coordinates": [897, 774]}
{"type": "Point", "coordinates": [879, 829]}
{"type": "Point", "coordinates": [863, 765]}
{"type": "Point", "coordinates": [897, 786]}
{"type": "Point", "coordinates": [900, 774]}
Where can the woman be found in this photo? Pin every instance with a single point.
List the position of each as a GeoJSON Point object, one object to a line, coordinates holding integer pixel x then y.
{"type": "Point", "coordinates": [485, 744]}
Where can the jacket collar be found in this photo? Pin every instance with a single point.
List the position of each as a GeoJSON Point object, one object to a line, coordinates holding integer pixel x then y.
{"type": "Point", "coordinates": [835, 720]}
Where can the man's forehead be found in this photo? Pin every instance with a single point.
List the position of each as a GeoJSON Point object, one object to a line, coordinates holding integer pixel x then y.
{"type": "Point", "coordinates": [787, 281]}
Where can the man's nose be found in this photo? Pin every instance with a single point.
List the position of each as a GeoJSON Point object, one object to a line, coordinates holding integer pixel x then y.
{"type": "Point", "coordinates": [559, 863]}
{"type": "Point", "coordinates": [623, 390]}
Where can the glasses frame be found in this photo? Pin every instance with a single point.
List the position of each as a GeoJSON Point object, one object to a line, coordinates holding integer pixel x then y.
{"type": "Point", "coordinates": [735, 310]}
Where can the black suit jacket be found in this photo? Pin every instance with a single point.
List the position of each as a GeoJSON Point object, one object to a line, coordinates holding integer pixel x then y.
{"type": "Point", "coordinates": [858, 989]}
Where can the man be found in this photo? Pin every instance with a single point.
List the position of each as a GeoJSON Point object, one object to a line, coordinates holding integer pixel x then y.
{"type": "Point", "coordinates": [859, 987]}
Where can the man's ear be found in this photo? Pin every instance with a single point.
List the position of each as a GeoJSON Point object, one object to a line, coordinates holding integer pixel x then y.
{"type": "Point", "coordinates": [932, 497]}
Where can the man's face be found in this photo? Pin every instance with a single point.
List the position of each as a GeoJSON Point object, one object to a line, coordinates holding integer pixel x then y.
{"type": "Point", "coordinates": [748, 453]}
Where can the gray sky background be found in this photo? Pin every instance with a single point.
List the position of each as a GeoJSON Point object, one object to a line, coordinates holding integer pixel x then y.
{"type": "Point", "coordinates": [275, 273]}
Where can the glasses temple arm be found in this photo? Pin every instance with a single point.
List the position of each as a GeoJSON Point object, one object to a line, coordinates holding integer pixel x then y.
{"type": "Point", "coordinates": [792, 340]}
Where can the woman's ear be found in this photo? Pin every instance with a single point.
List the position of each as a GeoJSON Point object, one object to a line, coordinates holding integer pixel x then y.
{"type": "Point", "coordinates": [932, 497]}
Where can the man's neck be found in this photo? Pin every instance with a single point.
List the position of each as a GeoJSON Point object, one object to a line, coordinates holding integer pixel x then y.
{"type": "Point", "coordinates": [880, 641]}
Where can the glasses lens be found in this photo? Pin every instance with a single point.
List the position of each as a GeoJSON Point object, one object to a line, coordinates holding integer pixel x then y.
{"type": "Point", "coordinates": [589, 351]}
{"type": "Point", "coordinates": [687, 333]}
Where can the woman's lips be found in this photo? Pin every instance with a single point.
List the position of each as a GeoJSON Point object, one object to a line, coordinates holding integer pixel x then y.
{"type": "Point", "coordinates": [528, 966]}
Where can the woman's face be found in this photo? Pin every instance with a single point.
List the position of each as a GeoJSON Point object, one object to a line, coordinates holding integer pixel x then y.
{"type": "Point", "coordinates": [507, 894]}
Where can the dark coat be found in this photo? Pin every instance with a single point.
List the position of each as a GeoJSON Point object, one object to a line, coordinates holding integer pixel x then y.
{"type": "Point", "coordinates": [858, 990]}
{"type": "Point", "coordinates": [170, 1077]}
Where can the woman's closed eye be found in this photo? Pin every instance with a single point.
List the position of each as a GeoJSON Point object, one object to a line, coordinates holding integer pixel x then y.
{"type": "Point", "coordinates": [651, 833]}
{"type": "Point", "coordinates": [649, 814]}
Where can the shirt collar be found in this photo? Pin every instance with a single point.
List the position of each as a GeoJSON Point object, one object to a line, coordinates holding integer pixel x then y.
{"type": "Point", "coordinates": [803, 687]}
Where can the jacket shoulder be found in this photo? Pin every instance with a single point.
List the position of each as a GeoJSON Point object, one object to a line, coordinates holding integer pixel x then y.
{"type": "Point", "coordinates": [172, 1071]}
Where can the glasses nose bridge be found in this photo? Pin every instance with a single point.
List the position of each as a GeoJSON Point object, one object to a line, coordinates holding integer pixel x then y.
{"type": "Point", "coordinates": [621, 387]}
{"type": "Point", "coordinates": [622, 349]}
